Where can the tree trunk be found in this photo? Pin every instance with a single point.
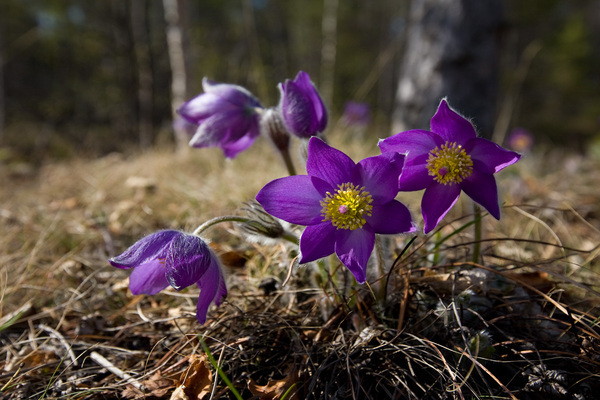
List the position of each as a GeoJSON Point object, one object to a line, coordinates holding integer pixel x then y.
{"type": "Point", "coordinates": [2, 104]}
{"type": "Point", "coordinates": [452, 51]}
{"type": "Point", "coordinates": [328, 50]}
{"type": "Point", "coordinates": [139, 24]}
{"type": "Point", "coordinates": [179, 76]}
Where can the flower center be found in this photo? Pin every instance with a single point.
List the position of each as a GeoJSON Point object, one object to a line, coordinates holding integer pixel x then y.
{"type": "Point", "coordinates": [449, 164]}
{"type": "Point", "coordinates": [347, 207]}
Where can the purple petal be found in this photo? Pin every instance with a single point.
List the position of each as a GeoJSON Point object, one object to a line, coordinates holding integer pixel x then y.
{"type": "Point", "coordinates": [148, 278]}
{"type": "Point", "coordinates": [380, 175]}
{"type": "Point", "coordinates": [415, 175]}
{"type": "Point", "coordinates": [304, 83]}
{"type": "Point", "coordinates": [203, 106]}
{"type": "Point", "coordinates": [328, 164]}
{"type": "Point", "coordinates": [232, 149]}
{"type": "Point", "coordinates": [437, 200]}
{"type": "Point", "coordinates": [301, 107]}
{"type": "Point", "coordinates": [147, 249]}
{"type": "Point", "coordinates": [187, 260]}
{"type": "Point", "coordinates": [293, 199]}
{"type": "Point", "coordinates": [234, 94]}
{"type": "Point", "coordinates": [413, 143]}
{"type": "Point", "coordinates": [354, 248]}
{"type": "Point", "coordinates": [482, 189]}
{"type": "Point", "coordinates": [317, 241]}
{"type": "Point", "coordinates": [391, 218]}
{"type": "Point", "coordinates": [488, 157]}
{"type": "Point", "coordinates": [212, 289]}
{"type": "Point", "coordinates": [225, 127]}
{"type": "Point", "coordinates": [451, 126]}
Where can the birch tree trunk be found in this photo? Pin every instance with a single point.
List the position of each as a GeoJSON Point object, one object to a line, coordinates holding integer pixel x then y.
{"type": "Point", "coordinates": [179, 76]}
{"type": "Point", "coordinates": [452, 51]}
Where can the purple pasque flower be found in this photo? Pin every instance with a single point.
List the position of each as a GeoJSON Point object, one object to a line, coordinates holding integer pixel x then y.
{"type": "Point", "coordinates": [227, 117]}
{"type": "Point", "coordinates": [174, 258]}
{"type": "Point", "coordinates": [356, 114]}
{"type": "Point", "coordinates": [520, 139]}
{"type": "Point", "coordinates": [303, 111]}
{"type": "Point", "coordinates": [448, 160]}
{"type": "Point", "coordinates": [342, 204]}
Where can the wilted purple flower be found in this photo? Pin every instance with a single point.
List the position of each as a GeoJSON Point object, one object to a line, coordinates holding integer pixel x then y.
{"type": "Point", "coordinates": [174, 258]}
{"type": "Point", "coordinates": [520, 139]}
{"type": "Point", "coordinates": [304, 113]}
{"type": "Point", "coordinates": [342, 204]}
{"type": "Point", "coordinates": [356, 114]}
{"type": "Point", "coordinates": [448, 160]}
{"type": "Point", "coordinates": [227, 117]}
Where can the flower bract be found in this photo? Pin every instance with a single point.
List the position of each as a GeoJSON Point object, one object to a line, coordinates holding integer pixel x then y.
{"type": "Point", "coordinates": [447, 160]}
{"type": "Point", "coordinates": [302, 108]}
{"type": "Point", "coordinates": [170, 257]}
{"type": "Point", "coordinates": [227, 117]}
{"type": "Point", "coordinates": [342, 204]}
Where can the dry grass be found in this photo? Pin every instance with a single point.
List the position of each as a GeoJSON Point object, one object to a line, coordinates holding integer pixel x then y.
{"type": "Point", "coordinates": [431, 325]}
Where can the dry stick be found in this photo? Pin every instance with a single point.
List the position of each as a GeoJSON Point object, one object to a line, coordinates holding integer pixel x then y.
{"type": "Point", "coordinates": [103, 362]}
{"type": "Point", "coordinates": [62, 341]}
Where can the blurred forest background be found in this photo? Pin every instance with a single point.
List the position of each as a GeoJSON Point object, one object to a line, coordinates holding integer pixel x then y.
{"type": "Point", "coordinates": [92, 77]}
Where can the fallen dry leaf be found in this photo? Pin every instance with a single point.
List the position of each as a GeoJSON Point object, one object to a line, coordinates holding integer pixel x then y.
{"type": "Point", "coordinates": [196, 380]}
{"type": "Point", "coordinates": [274, 389]}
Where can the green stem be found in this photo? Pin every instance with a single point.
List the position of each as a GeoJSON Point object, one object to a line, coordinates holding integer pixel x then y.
{"type": "Point", "coordinates": [478, 233]}
{"type": "Point", "coordinates": [218, 220]}
{"type": "Point", "coordinates": [290, 237]}
{"type": "Point", "coordinates": [287, 159]}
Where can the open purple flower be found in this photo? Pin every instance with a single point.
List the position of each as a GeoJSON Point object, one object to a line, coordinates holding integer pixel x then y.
{"type": "Point", "coordinates": [304, 113]}
{"type": "Point", "coordinates": [174, 258]}
{"type": "Point", "coordinates": [227, 117]}
{"type": "Point", "coordinates": [448, 160]}
{"type": "Point", "coordinates": [342, 204]}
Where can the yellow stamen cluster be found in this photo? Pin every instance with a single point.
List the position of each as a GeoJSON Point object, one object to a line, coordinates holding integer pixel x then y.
{"type": "Point", "coordinates": [347, 207]}
{"type": "Point", "coordinates": [449, 164]}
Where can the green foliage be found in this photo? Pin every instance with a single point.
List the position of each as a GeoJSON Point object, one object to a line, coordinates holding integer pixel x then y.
{"type": "Point", "coordinates": [70, 67]}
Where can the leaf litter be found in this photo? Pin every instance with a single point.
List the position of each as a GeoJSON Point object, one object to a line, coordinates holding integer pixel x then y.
{"type": "Point", "coordinates": [432, 325]}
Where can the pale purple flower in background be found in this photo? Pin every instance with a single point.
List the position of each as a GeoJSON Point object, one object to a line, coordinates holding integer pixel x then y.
{"type": "Point", "coordinates": [520, 140]}
{"type": "Point", "coordinates": [174, 258]}
{"type": "Point", "coordinates": [342, 204]}
{"type": "Point", "coordinates": [227, 117]}
{"type": "Point", "coordinates": [356, 114]}
{"type": "Point", "coordinates": [302, 108]}
{"type": "Point", "coordinates": [447, 160]}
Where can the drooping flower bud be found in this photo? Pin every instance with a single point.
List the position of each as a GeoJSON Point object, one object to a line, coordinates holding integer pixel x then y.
{"type": "Point", "coordinates": [302, 108]}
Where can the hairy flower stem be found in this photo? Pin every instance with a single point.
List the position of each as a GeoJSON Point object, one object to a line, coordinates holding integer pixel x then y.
{"type": "Point", "coordinates": [290, 237]}
{"type": "Point", "coordinates": [287, 159]}
{"type": "Point", "coordinates": [380, 263]}
{"type": "Point", "coordinates": [477, 233]}
{"type": "Point", "coordinates": [218, 220]}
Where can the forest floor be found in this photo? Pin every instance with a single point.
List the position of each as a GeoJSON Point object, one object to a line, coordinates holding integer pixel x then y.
{"type": "Point", "coordinates": [520, 323]}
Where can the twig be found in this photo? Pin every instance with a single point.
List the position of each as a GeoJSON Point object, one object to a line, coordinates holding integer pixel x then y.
{"type": "Point", "coordinates": [103, 362]}
{"type": "Point", "coordinates": [61, 339]}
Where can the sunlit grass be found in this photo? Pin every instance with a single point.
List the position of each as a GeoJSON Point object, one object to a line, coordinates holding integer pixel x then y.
{"type": "Point", "coordinates": [61, 224]}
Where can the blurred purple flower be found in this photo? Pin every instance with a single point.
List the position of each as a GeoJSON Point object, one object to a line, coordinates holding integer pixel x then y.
{"type": "Point", "coordinates": [303, 111]}
{"type": "Point", "coordinates": [227, 117]}
{"type": "Point", "coordinates": [342, 204]}
{"type": "Point", "coordinates": [174, 258]}
{"type": "Point", "coordinates": [448, 160]}
{"type": "Point", "coordinates": [356, 113]}
{"type": "Point", "coordinates": [521, 140]}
